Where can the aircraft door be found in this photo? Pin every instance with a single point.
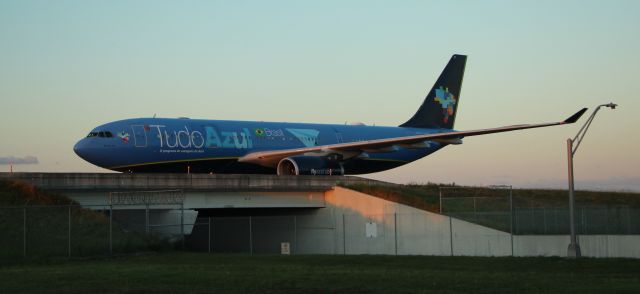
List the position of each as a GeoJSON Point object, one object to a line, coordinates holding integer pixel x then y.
{"type": "Point", "coordinates": [139, 135]}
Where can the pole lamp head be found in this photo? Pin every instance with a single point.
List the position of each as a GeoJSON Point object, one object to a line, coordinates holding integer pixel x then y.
{"type": "Point", "coordinates": [611, 105]}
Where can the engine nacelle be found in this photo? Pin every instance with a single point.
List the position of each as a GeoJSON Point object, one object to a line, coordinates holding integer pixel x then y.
{"type": "Point", "coordinates": [309, 165]}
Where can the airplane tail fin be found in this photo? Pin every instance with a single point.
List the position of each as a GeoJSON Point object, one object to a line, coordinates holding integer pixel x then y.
{"type": "Point", "coordinates": [439, 107]}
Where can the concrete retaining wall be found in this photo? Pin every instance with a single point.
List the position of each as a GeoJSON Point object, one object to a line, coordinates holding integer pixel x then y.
{"type": "Point", "coordinates": [400, 229]}
{"type": "Point", "coordinates": [364, 224]}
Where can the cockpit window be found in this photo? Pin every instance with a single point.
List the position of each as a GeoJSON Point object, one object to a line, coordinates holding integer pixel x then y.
{"type": "Point", "coordinates": [101, 134]}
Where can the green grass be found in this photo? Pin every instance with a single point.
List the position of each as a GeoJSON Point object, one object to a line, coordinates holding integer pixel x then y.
{"type": "Point", "coordinates": [201, 272]}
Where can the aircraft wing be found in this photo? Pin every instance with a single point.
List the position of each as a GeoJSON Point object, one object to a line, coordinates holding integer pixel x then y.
{"type": "Point", "coordinates": [272, 158]}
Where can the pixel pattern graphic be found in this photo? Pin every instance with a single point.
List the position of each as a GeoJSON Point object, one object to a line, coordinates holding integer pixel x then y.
{"type": "Point", "coordinates": [447, 101]}
{"type": "Point", "coordinates": [124, 137]}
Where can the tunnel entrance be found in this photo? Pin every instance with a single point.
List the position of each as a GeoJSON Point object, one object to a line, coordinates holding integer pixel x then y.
{"type": "Point", "coordinates": [248, 230]}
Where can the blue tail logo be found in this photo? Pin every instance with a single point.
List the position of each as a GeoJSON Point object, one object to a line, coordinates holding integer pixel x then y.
{"type": "Point", "coordinates": [447, 101]}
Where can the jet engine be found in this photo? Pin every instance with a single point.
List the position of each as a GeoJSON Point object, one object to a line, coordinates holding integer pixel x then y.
{"type": "Point", "coordinates": [309, 165]}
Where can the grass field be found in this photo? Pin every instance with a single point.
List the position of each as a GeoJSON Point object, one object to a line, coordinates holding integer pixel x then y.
{"type": "Point", "coordinates": [426, 196]}
{"type": "Point", "coordinates": [201, 272]}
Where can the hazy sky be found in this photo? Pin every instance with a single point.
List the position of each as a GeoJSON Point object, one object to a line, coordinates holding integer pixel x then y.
{"type": "Point", "coordinates": [67, 66]}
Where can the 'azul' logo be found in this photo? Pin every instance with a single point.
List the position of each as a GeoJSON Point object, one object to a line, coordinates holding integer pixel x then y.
{"type": "Point", "coordinates": [237, 140]}
{"type": "Point", "coordinates": [447, 101]}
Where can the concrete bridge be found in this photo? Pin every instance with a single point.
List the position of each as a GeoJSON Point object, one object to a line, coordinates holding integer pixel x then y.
{"type": "Point", "coordinates": [172, 202]}
{"type": "Point", "coordinates": [196, 191]}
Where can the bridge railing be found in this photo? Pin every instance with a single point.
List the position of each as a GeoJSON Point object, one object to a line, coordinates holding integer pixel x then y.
{"type": "Point", "coordinates": [118, 181]}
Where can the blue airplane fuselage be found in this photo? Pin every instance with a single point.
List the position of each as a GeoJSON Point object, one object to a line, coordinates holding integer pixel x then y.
{"type": "Point", "coordinates": [214, 146]}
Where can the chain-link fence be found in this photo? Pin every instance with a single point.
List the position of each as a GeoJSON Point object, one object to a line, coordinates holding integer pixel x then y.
{"type": "Point", "coordinates": [497, 207]}
{"type": "Point", "coordinates": [34, 232]}
{"type": "Point", "coordinates": [74, 231]}
{"type": "Point", "coordinates": [145, 221]}
{"type": "Point", "coordinates": [128, 222]}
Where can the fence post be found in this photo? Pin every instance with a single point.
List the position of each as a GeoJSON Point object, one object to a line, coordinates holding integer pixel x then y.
{"type": "Point", "coordinates": [209, 235]}
{"type": "Point", "coordinates": [395, 230]}
{"type": "Point", "coordinates": [69, 240]}
{"type": "Point", "coordinates": [146, 219]}
{"type": "Point", "coordinates": [511, 217]}
{"type": "Point", "coordinates": [344, 235]}
{"type": "Point", "coordinates": [584, 221]}
{"type": "Point", "coordinates": [182, 223]}
{"type": "Point", "coordinates": [24, 232]}
{"type": "Point", "coordinates": [295, 234]}
{"type": "Point", "coordinates": [451, 235]}
{"type": "Point", "coordinates": [440, 196]}
{"type": "Point", "coordinates": [111, 229]}
{"type": "Point", "coordinates": [250, 237]}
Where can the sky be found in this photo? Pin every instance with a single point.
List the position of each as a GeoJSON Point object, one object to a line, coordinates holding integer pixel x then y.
{"type": "Point", "coordinates": [68, 66]}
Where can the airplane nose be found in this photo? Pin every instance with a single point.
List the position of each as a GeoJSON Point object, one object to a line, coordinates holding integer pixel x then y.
{"type": "Point", "coordinates": [86, 149]}
{"type": "Point", "coordinates": [79, 149]}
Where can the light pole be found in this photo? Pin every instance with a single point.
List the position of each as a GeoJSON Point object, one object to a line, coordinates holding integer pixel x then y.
{"type": "Point", "coordinates": [574, 248]}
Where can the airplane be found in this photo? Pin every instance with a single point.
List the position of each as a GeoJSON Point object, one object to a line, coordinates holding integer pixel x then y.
{"type": "Point", "coordinates": [183, 145]}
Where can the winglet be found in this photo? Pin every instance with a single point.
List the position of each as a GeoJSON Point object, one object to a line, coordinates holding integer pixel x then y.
{"type": "Point", "coordinates": [575, 117]}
